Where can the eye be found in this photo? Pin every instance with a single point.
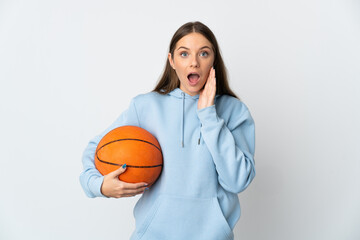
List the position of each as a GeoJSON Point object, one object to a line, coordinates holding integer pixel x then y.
{"type": "Point", "coordinates": [204, 54]}
{"type": "Point", "coordinates": [184, 54]}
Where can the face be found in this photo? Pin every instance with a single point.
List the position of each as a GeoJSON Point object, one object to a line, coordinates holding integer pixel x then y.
{"type": "Point", "coordinates": [193, 58]}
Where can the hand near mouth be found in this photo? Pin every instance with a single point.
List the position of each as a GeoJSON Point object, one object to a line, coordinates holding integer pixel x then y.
{"type": "Point", "coordinates": [207, 94]}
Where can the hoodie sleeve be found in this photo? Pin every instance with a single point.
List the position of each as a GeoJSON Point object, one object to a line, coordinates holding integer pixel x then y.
{"type": "Point", "coordinates": [90, 178]}
{"type": "Point", "coordinates": [231, 145]}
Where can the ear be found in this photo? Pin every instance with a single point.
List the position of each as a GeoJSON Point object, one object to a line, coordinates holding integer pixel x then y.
{"type": "Point", "coordinates": [171, 61]}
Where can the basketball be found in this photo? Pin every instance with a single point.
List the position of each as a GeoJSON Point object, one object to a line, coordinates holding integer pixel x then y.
{"type": "Point", "coordinates": [133, 146]}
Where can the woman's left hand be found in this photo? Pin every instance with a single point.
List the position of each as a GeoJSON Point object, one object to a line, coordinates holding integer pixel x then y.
{"type": "Point", "coordinates": [207, 94]}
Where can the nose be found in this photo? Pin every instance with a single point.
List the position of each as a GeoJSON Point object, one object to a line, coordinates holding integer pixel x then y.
{"type": "Point", "coordinates": [194, 61]}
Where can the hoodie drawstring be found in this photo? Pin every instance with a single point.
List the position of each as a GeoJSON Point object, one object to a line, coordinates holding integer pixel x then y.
{"type": "Point", "coordinates": [182, 123]}
{"type": "Point", "coordinates": [182, 119]}
{"type": "Point", "coordinates": [199, 134]}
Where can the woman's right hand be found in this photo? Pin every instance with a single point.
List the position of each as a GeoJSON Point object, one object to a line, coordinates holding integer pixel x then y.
{"type": "Point", "coordinates": [113, 187]}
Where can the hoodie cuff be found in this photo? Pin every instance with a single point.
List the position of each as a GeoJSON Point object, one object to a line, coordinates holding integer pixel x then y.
{"type": "Point", "coordinates": [95, 186]}
{"type": "Point", "coordinates": [208, 115]}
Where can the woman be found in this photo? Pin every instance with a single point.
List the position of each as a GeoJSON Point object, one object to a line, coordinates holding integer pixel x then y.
{"type": "Point", "coordinates": [207, 138]}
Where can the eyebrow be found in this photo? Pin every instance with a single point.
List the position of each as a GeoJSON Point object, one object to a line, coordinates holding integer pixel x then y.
{"type": "Point", "coordinates": [189, 49]}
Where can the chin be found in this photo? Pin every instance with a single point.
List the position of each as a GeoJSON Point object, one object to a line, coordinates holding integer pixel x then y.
{"type": "Point", "coordinates": [193, 90]}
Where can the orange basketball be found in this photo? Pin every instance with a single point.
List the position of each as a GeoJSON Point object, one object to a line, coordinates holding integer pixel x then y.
{"type": "Point", "coordinates": [133, 146]}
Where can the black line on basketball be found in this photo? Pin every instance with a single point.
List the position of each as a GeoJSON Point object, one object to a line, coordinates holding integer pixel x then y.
{"type": "Point", "coordinates": [131, 166]}
{"type": "Point", "coordinates": [132, 139]}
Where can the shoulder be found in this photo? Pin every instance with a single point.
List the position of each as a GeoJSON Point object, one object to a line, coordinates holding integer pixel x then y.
{"type": "Point", "coordinates": [146, 101]}
{"type": "Point", "coordinates": [145, 97]}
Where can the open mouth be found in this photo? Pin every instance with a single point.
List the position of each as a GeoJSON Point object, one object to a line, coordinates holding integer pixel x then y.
{"type": "Point", "coordinates": [193, 78]}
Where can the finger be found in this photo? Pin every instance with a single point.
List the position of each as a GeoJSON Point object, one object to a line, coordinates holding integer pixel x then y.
{"type": "Point", "coordinates": [118, 171]}
{"type": "Point", "coordinates": [209, 77]}
{"type": "Point", "coordinates": [209, 88]}
{"type": "Point", "coordinates": [124, 195]}
{"type": "Point", "coordinates": [213, 80]}
{"type": "Point", "coordinates": [129, 195]}
{"type": "Point", "coordinates": [214, 76]}
{"type": "Point", "coordinates": [132, 195]}
{"type": "Point", "coordinates": [134, 186]}
{"type": "Point", "coordinates": [206, 86]}
{"type": "Point", "coordinates": [134, 191]}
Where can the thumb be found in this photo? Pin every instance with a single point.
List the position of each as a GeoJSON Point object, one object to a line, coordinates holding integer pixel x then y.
{"type": "Point", "coordinates": [118, 171]}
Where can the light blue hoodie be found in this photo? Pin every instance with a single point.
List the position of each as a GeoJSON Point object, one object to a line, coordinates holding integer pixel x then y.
{"type": "Point", "coordinates": [208, 160]}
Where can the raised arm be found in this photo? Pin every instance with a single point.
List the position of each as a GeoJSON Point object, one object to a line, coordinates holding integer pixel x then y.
{"type": "Point", "coordinates": [231, 146]}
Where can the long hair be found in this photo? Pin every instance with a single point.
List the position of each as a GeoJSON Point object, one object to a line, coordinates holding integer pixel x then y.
{"type": "Point", "coordinates": [169, 80]}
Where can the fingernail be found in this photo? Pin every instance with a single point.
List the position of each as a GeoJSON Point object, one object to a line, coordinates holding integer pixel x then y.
{"type": "Point", "coordinates": [124, 166]}
{"type": "Point", "coordinates": [146, 188]}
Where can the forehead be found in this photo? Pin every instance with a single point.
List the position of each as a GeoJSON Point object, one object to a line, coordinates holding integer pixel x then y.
{"type": "Point", "coordinates": [193, 41]}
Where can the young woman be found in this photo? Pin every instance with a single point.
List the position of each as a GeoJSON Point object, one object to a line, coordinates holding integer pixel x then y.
{"type": "Point", "coordinates": [207, 138]}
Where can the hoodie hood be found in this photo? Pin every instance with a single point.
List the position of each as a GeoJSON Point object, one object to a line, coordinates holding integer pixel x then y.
{"type": "Point", "coordinates": [183, 96]}
{"type": "Point", "coordinates": [178, 93]}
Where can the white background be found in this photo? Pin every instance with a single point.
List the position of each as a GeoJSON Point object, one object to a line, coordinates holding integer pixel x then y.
{"type": "Point", "coordinates": [69, 68]}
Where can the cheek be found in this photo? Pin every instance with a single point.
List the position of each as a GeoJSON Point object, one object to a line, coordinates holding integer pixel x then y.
{"type": "Point", "coordinates": [208, 65]}
{"type": "Point", "coordinates": [180, 74]}
{"type": "Point", "coordinates": [207, 70]}
{"type": "Point", "coordinates": [180, 69]}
